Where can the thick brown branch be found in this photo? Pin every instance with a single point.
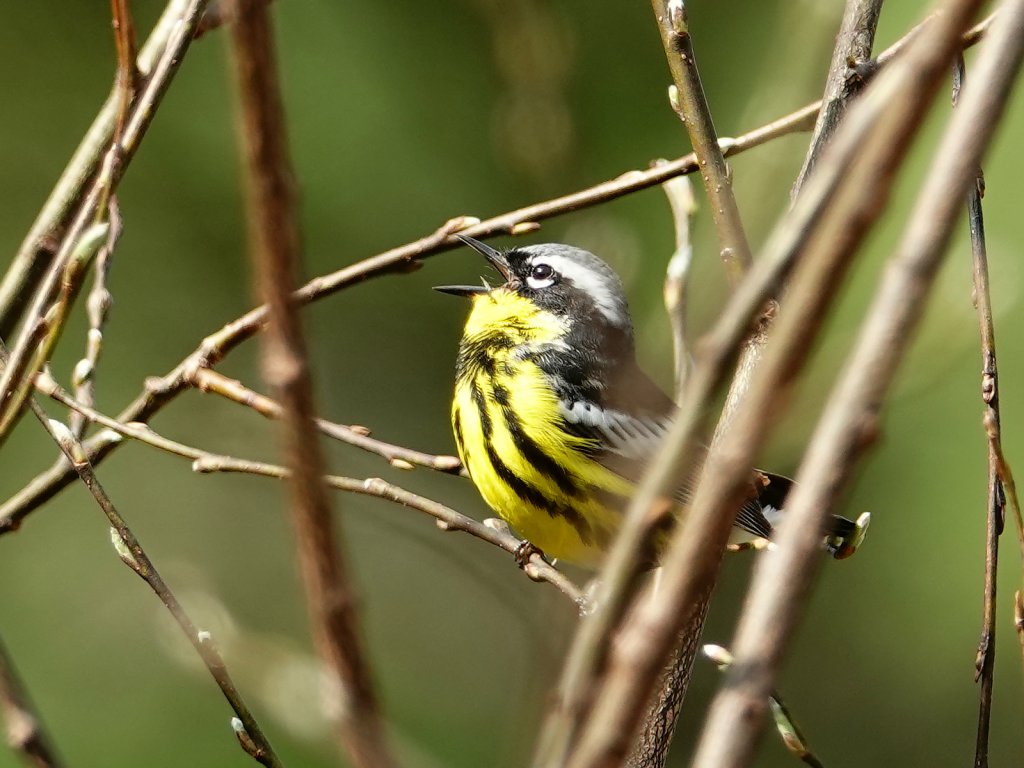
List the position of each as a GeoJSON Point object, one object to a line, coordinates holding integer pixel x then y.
{"type": "Point", "coordinates": [853, 48]}
{"type": "Point", "coordinates": [127, 68]}
{"type": "Point", "coordinates": [840, 203]}
{"type": "Point", "coordinates": [273, 228]}
{"type": "Point", "coordinates": [849, 421]}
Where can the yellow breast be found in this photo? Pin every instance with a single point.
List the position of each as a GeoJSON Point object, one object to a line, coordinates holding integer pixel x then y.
{"type": "Point", "coordinates": [511, 437]}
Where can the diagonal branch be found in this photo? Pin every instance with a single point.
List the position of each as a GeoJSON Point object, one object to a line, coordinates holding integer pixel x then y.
{"type": "Point", "coordinates": [247, 729]}
{"type": "Point", "coordinates": [829, 220]}
{"type": "Point", "coordinates": [274, 246]}
{"type": "Point", "coordinates": [160, 391]}
{"type": "Point", "coordinates": [687, 97]}
{"type": "Point", "coordinates": [651, 747]}
{"type": "Point", "coordinates": [447, 519]}
{"type": "Point", "coordinates": [43, 239]}
{"type": "Point", "coordinates": [208, 380]}
{"type": "Point", "coordinates": [850, 420]}
{"type": "Point", "coordinates": [92, 208]}
{"type": "Point", "coordinates": [853, 48]}
{"type": "Point", "coordinates": [25, 732]}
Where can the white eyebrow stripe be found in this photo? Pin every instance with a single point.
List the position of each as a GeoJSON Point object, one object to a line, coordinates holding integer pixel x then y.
{"type": "Point", "coordinates": [608, 302]}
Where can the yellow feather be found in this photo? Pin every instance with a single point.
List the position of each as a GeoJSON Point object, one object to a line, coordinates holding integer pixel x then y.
{"type": "Point", "coordinates": [499, 322]}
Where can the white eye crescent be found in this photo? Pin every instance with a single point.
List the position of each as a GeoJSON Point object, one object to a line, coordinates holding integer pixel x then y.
{"type": "Point", "coordinates": [541, 275]}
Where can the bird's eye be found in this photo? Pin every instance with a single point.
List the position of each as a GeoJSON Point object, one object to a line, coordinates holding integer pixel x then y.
{"type": "Point", "coordinates": [541, 276]}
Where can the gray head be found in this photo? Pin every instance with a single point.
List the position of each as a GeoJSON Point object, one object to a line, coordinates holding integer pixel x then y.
{"type": "Point", "coordinates": [562, 279]}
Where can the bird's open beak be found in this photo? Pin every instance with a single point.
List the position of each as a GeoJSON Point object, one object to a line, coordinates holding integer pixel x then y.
{"type": "Point", "coordinates": [462, 290]}
{"type": "Point", "coordinates": [496, 260]}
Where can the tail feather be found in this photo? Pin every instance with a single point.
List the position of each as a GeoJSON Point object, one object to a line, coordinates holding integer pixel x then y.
{"type": "Point", "coordinates": [843, 535]}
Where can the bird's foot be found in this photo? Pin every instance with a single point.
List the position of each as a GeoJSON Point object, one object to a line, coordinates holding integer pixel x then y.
{"type": "Point", "coordinates": [524, 552]}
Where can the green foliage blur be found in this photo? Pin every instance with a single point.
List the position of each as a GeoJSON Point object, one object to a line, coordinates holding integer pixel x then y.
{"type": "Point", "coordinates": [402, 115]}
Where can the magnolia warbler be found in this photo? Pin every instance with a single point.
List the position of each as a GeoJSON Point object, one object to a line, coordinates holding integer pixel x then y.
{"type": "Point", "coordinates": [553, 418]}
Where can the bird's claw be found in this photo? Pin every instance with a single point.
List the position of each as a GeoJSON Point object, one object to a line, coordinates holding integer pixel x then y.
{"type": "Point", "coordinates": [524, 551]}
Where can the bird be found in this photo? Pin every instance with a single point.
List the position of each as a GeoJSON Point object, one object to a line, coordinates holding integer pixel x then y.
{"type": "Point", "coordinates": [553, 418]}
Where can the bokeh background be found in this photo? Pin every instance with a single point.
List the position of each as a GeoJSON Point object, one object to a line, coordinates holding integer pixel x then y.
{"type": "Point", "coordinates": [402, 115]}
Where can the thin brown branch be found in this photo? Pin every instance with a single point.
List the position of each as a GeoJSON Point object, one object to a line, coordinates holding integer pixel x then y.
{"type": "Point", "coordinates": [208, 380]}
{"type": "Point", "coordinates": [37, 250]}
{"type": "Point", "coordinates": [680, 197]}
{"type": "Point", "coordinates": [127, 71]}
{"type": "Point", "coordinates": [850, 420]}
{"type": "Point", "coordinates": [40, 338]}
{"type": "Point", "coordinates": [274, 245]}
{"type": "Point", "coordinates": [160, 391]}
{"type": "Point", "coordinates": [853, 49]}
{"type": "Point", "coordinates": [788, 730]}
{"type": "Point", "coordinates": [687, 98]}
{"type": "Point", "coordinates": [537, 568]}
{"type": "Point", "coordinates": [618, 575]}
{"type": "Point", "coordinates": [134, 556]}
{"type": "Point", "coordinates": [92, 206]}
{"type": "Point", "coordinates": [996, 500]}
{"type": "Point", "coordinates": [840, 202]}
{"type": "Point", "coordinates": [25, 732]}
{"type": "Point", "coordinates": [97, 305]}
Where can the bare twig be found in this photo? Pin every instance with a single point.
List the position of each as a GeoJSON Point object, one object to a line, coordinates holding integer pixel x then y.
{"type": "Point", "coordinates": [686, 95]}
{"type": "Point", "coordinates": [134, 556]}
{"type": "Point", "coordinates": [98, 304]}
{"type": "Point", "coordinates": [273, 229]}
{"type": "Point", "coordinates": [840, 202]}
{"type": "Point", "coordinates": [25, 733]}
{"type": "Point", "coordinates": [208, 380]}
{"type": "Point", "coordinates": [40, 338]}
{"type": "Point", "coordinates": [853, 48]}
{"type": "Point", "coordinates": [162, 390]}
{"type": "Point", "coordinates": [792, 737]}
{"type": "Point", "coordinates": [97, 308]}
{"type": "Point", "coordinates": [850, 418]}
{"type": "Point", "coordinates": [680, 198]}
{"type": "Point", "coordinates": [537, 568]}
{"type": "Point", "coordinates": [102, 187]}
{"type": "Point", "coordinates": [127, 69]}
{"type": "Point", "coordinates": [996, 500]}
{"type": "Point", "coordinates": [37, 250]}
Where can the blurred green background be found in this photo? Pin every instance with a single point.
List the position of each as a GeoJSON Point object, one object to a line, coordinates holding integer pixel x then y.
{"type": "Point", "coordinates": [402, 115]}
